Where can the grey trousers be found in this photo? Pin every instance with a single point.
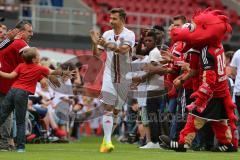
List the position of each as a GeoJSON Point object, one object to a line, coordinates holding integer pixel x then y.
{"type": "Point", "coordinates": [5, 129]}
{"type": "Point", "coordinates": [16, 99]}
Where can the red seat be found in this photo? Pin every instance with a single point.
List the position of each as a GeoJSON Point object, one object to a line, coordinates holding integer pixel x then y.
{"type": "Point", "coordinates": [79, 52]}
{"type": "Point", "coordinates": [131, 20]}
{"type": "Point", "coordinates": [159, 21]}
{"type": "Point", "coordinates": [69, 51]}
{"type": "Point", "coordinates": [168, 7]}
{"type": "Point", "coordinates": [146, 21]}
{"type": "Point", "coordinates": [59, 50]}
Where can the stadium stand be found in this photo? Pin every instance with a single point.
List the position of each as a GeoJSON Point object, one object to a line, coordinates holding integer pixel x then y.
{"type": "Point", "coordinates": [170, 8]}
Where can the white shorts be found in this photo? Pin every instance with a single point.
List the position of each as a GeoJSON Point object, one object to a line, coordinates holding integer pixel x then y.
{"type": "Point", "coordinates": [114, 94]}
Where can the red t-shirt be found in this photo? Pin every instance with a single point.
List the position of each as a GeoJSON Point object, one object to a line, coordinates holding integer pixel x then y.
{"type": "Point", "coordinates": [28, 76]}
{"type": "Point", "coordinates": [10, 57]}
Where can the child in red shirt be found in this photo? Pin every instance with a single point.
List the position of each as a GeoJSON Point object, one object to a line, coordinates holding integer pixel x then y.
{"type": "Point", "coordinates": [26, 77]}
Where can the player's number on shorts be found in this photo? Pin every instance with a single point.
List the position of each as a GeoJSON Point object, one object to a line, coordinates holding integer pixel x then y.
{"type": "Point", "coordinates": [221, 64]}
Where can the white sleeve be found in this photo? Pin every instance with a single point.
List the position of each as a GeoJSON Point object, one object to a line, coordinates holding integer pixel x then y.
{"type": "Point", "coordinates": [22, 49]}
{"type": "Point", "coordinates": [236, 59]}
{"type": "Point", "coordinates": [129, 39]}
{"type": "Point", "coordinates": [38, 89]}
{"type": "Point", "coordinates": [100, 47]}
{"type": "Point", "coordinates": [155, 55]}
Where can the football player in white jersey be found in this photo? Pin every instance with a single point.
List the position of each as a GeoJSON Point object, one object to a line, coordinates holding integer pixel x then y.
{"type": "Point", "coordinates": [117, 43]}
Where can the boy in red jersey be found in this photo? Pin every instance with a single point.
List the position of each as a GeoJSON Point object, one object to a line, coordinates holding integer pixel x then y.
{"type": "Point", "coordinates": [26, 76]}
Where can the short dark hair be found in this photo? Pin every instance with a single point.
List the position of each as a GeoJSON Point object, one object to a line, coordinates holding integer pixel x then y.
{"type": "Point", "coordinates": [28, 54]}
{"type": "Point", "coordinates": [229, 54]}
{"type": "Point", "coordinates": [158, 28]}
{"type": "Point", "coordinates": [133, 101]}
{"type": "Point", "coordinates": [152, 34]}
{"type": "Point", "coordinates": [120, 11]}
{"type": "Point", "coordinates": [66, 66]}
{"type": "Point", "coordinates": [181, 17]}
{"type": "Point", "coordinates": [20, 25]}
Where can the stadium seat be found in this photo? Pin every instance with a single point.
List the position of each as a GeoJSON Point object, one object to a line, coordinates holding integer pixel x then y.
{"type": "Point", "coordinates": [132, 20]}
{"type": "Point", "coordinates": [166, 7]}
{"type": "Point", "coordinates": [79, 52]}
{"type": "Point", "coordinates": [146, 21]}
{"type": "Point", "coordinates": [69, 51]}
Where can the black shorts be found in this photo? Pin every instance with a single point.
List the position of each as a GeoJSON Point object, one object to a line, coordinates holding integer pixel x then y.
{"type": "Point", "coordinates": [215, 110]}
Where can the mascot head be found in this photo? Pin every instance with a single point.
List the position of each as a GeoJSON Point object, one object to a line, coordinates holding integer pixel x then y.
{"type": "Point", "coordinates": [207, 27]}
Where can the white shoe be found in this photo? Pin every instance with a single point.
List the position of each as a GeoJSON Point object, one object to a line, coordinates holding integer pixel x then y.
{"type": "Point", "coordinates": [53, 139]}
{"type": "Point", "coordinates": [150, 145]}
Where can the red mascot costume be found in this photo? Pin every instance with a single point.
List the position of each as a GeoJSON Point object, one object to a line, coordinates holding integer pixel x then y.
{"type": "Point", "coordinates": [212, 101]}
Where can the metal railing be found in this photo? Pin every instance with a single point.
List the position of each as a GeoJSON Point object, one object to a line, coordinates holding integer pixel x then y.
{"type": "Point", "coordinates": [58, 20]}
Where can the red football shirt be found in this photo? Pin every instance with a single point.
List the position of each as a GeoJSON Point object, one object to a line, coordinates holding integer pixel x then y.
{"type": "Point", "coordinates": [176, 50]}
{"type": "Point", "coordinates": [28, 76]}
{"type": "Point", "coordinates": [10, 57]}
{"type": "Point", "coordinates": [213, 59]}
{"type": "Point", "coordinates": [193, 60]}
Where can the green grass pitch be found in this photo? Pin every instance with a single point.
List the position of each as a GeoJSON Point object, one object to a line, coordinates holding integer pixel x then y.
{"type": "Point", "coordinates": [88, 149]}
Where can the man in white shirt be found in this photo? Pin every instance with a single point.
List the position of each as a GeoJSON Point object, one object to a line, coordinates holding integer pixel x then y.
{"type": "Point", "coordinates": [235, 65]}
{"type": "Point", "coordinates": [155, 90]}
{"type": "Point", "coordinates": [118, 44]}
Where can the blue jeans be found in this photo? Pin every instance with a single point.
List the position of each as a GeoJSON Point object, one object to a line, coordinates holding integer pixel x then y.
{"type": "Point", "coordinates": [172, 106]}
{"type": "Point", "coordinates": [16, 99]}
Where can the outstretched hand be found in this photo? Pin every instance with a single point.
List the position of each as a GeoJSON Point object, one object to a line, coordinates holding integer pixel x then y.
{"type": "Point", "coordinates": [166, 55]}
{"type": "Point", "coordinates": [54, 81]}
{"type": "Point", "coordinates": [11, 34]}
{"type": "Point", "coordinates": [68, 73]}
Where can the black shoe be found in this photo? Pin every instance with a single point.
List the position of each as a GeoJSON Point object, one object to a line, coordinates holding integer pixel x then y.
{"type": "Point", "coordinates": [132, 138]}
{"type": "Point", "coordinates": [164, 142]}
{"type": "Point", "coordinates": [180, 148]}
{"type": "Point", "coordinates": [167, 143]}
{"type": "Point", "coordinates": [164, 146]}
{"type": "Point", "coordinates": [142, 142]}
{"type": "Point", "coordinates": [225, 148]}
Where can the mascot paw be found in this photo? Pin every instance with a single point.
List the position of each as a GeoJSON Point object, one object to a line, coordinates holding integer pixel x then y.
{"type": "Point", "coordinates": [191, 107]}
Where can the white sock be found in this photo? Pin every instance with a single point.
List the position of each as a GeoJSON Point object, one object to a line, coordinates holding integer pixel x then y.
{"type": "Point", "coordinates": [107, 123]}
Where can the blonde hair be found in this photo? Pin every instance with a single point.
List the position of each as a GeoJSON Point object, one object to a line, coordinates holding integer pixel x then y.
{"type": "Point", "coordinates": [29, 54]}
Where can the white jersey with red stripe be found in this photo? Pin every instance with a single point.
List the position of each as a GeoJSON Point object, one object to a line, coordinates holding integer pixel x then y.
{"type": "Point", "coordinates": [117, 66]}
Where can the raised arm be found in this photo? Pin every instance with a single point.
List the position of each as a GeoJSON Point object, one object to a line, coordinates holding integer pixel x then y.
{"type": "Point", "coordinates": [10, 36]}
{"type": "Point", "coordinates": [11, 75]}
{"type": "Point", "coordinates": [95, 37]}
{"type": "Point", "coordinates": [61, 72]}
